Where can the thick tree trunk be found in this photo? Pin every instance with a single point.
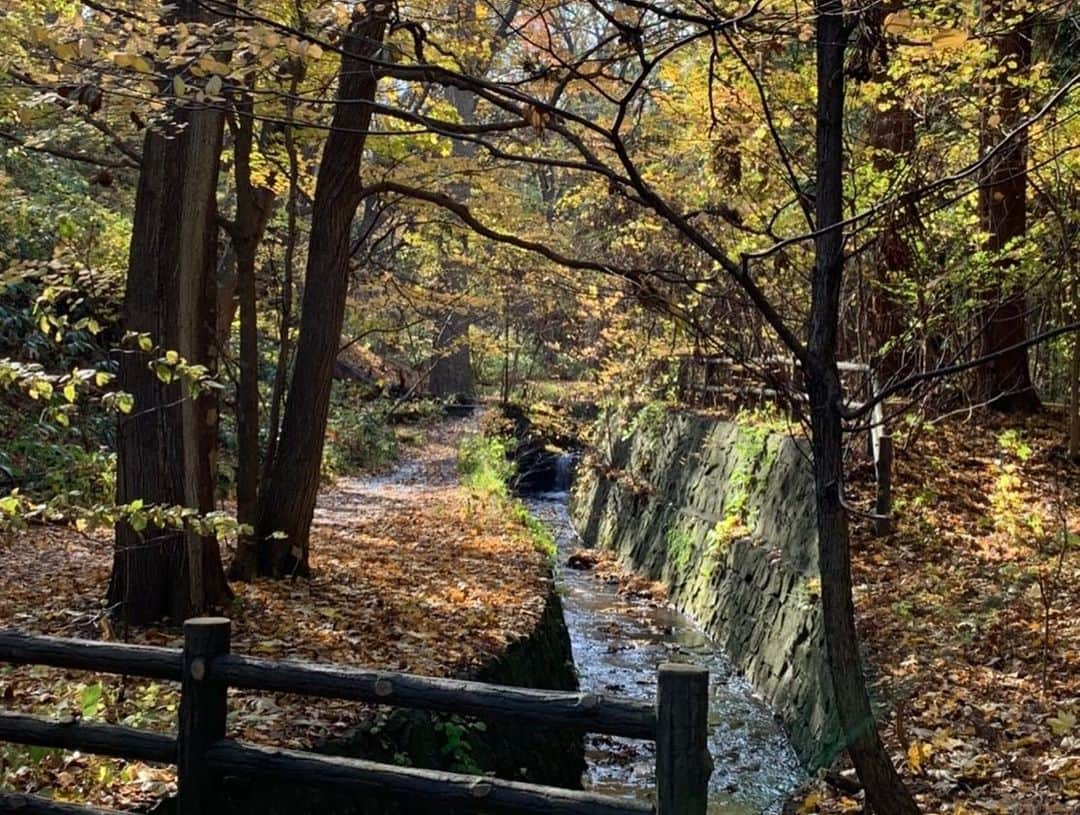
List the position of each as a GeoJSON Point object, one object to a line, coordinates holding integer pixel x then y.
{"type": "Point", "coordinates": [288, 498]}
{"type": "Point", "coordinates": [165, 446]}
{"type": "Point", "coordinates": [1006, 379]}
{"type": "Point", "coordinates": [885, 791]}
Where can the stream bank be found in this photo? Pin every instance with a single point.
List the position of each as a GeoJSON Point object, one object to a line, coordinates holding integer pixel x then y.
{"type": "Point", "coordinates": [619, 640]}
{"type": "Point", "coordinates": [539, 657]}
{"type": "Point", "coordinates": [723, 515]}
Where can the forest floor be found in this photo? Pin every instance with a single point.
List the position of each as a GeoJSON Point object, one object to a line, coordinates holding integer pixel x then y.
{"type": "Point", "coordinates": [970, 612]}
{"type": "Point", "coordinates": [411, 572]}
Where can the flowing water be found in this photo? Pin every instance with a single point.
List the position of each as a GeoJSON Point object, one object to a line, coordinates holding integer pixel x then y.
{"type": "Point", "coordinates": [619, 641]}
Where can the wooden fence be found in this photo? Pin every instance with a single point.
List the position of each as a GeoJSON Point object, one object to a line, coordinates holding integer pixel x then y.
{"type": "Point", "coordinates": [205, 668]}
{"type": "Point", "coordinates": [702, 380]}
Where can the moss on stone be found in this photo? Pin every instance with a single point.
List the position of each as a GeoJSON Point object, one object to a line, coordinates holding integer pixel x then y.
{"type": "Point", "coordinates": [728, 524]}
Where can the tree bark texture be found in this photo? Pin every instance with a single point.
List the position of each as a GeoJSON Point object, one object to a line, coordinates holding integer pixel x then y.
{"type": "Point", "coordinates": [1006, 380]}
{"type": "Point", "coordinates": [252, 213]}
{"type": "Point", "coordinates": [885, 790]}
{"type": "Point", "coordinates": [165, 446]}
{"type": "Point", "coordinates": [287, 502]}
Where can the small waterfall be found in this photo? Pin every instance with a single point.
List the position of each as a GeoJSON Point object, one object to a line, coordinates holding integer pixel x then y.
{"type": "Point", "coordinates": [564, 472]}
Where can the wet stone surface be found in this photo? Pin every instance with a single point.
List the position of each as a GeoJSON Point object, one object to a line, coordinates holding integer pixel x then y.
{"type": "Point", "coordinates": [618, 642]}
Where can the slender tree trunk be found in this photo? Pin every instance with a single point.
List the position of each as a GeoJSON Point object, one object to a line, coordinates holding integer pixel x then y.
{"type": "Point", "coordinates": [281, 370]}
{"type": "Point", "coordinates": [885, 791]}
{"type": "Point", "coordinates": [1074, 382]}
{"type": "Point", "coordinates": [228, 274]}
{"type": "Point", "coordinates": [891, 133]}
{"type": "Point", "coordinates": [252, 214]}
{"type": "Point", "coordinates": [288, 498]}
{"type": "Point", "coordinates": [1006, 380]}
{"type": "Point", "coordinates": [165, 446]}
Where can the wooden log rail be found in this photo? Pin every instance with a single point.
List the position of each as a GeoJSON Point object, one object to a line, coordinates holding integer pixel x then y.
{"type": "Point", "coordinates": [580, 711]}
{"type": "Point", "coordinates": [14, 804]}
{"type": "Point", "coordinates": [206, 669]}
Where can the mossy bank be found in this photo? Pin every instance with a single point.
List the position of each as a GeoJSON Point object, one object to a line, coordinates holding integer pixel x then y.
{"type": "Point", "coordinates": [723, 514]}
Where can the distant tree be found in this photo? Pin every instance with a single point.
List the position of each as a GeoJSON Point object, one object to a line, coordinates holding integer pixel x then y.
{"type": "Point", "coordinates": [1003, 189]}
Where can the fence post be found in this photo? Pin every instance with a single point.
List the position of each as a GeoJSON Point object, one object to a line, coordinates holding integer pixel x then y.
{"type": "Point", "coordinates": [883, 504]}
{"type": "Point", "coordinates": [683, 764]}
{"type": "Point", "coordinates": [203, 706]}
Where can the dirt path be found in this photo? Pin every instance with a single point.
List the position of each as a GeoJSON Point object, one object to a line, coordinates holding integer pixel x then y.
{"type": "Point", "coordinates": [421, 469]}
{"type": "Point", "coordinates": [410, 572]}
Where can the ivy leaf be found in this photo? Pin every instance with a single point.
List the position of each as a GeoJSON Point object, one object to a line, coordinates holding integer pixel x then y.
{"type": "Point", "coordinates": [1062, 723]}
{"type": "Point", "coordinates": [92, 700]}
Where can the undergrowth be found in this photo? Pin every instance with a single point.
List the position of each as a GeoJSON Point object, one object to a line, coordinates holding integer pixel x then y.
{"type": "Point", "coordinates": [487, 470]}
{"type": "Point", "coordinates": [358, 435]}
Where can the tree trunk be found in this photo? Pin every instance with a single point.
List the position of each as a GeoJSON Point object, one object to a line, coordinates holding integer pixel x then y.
{"type": "Point", "coordinates": [165, 446]}
{"type": "Point", "coordinates": [1074, 382]}
{"type": "Point", "coordinates": [252, 213]}
{"type": "Point", "coordinates": [885, 791]}
{"type": "Point", "coordinates": [451, 373]}
{"type": "Point", "coordinates": [288, 498]}
{"type": "Point", "coordinates": [228, 274]}
{"type": "Point", "coordinates": [891, 133]}
{"type": "Point", "coordinates": [281, 369]}
{"type": "Point", "coordinates": [1006, 379]}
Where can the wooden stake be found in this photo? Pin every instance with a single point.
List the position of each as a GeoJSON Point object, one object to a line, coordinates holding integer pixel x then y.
{"type": "Point", "coordinates": [683, 764]}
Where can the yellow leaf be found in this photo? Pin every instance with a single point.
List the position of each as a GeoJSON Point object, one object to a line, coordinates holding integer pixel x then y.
{"type": "Point", "coordinates": [178, 85]}
{"type": "Point", "coordinates": [917, 754]}
{"type": "Point", "coordinates": [142, 65]}
{"type": "Point", "coordinates": [66, 51]}
{"type": "Point", "coordinates": [810, 803]}
{"type": "Point", "coordinates": [213, 85]}
{"type": "Point", "coordinates": [948, 38]}
{"type": "Point", "coordinates": [897, 23]}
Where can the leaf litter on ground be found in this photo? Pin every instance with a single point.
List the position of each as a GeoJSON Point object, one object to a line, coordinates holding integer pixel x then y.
{"type": "Point", "coordinates": [411, 572]}
{"type": "Point", "coordinates": [959, 607]}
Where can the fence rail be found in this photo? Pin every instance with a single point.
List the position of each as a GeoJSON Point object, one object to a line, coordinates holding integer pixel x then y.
{"type": "Point", "coordinates": [206, 669]}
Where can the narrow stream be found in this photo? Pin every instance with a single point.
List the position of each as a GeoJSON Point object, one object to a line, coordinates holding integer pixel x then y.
{"type": "Point", "coordinates": [619, 641]}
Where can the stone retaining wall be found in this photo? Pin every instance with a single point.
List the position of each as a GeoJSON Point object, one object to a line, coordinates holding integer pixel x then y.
{"type": "Point", "coordinates": [724, 516]}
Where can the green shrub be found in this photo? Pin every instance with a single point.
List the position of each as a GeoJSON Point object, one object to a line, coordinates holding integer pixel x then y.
{"type": "Point", "coordinates": [357, 438]}
{"type": "Point", "coordinates": [49, 463]}
{"type": "Point", "coordinates": [486, 470]}
{"type": "Point", "coordinates": [485, 466]}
